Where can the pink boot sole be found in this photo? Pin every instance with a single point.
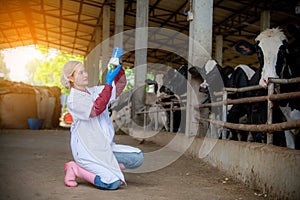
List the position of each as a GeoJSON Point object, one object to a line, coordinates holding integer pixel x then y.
{"type": "Point", "coordinates": [70, 175]}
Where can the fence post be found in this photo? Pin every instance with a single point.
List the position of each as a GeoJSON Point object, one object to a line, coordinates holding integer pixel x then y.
{"type": "Point", "coordinates": [270, 112]}
{"type": "Point", "coordinates": [156, 117]}
{"type": "Point", "coordinates": [224, 114]}
{"type": "Point", "coordinates": [213, 130]}
{"type": "Point", "coordinates": [171, 117]}
{"type": "Point", "coordinates": [145, 118]}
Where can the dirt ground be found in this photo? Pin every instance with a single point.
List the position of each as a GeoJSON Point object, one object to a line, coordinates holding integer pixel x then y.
{"type": "Point", "coordinates": [32, 167]}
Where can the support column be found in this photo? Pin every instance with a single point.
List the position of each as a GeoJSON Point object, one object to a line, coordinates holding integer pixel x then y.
{"type": "Point", "coordinates": [219, 49]}
{"type": "Point", "coordinates": [265, 20]}
{"type": "Point", "coordinates": [140, 70]}
{"type": "Point", "coordinates": [119, 23]}
{"type": "Point", "coordinates": [105, 40]}
{"type": "Point", "coordinates": [200, 48]}
{"type": "Point", "coordinates": [93, 59]}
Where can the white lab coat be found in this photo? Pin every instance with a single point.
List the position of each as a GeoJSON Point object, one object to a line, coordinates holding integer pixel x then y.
{"type": "Point", "coordinates": [92, 138]}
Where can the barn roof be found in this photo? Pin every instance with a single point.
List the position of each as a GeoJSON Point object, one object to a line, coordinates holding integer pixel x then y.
{"type": "Point", "coordinates": [69, 25]}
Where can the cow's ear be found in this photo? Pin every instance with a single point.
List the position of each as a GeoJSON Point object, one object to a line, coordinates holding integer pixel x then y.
{"type": "Point", "coordinates": [257, 48]}
{"type": "Point", "coordinates": [285, 43]}
{"type": "Point", "coordinates": [260, 54]}
{"type": "Point", "coordinates": [244, 48]}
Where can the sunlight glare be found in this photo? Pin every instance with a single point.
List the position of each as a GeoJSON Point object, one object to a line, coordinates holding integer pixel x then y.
{"type": "Point", "coordinates": [17, 58]}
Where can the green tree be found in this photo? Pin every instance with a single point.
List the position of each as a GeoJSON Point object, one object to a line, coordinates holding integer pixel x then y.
{"type": "Point", "coordinates": [129, 73]}
{"type": "Point", "coordinates": [47, 71]}
{"type": "Point", "coordinates": [31, 68]}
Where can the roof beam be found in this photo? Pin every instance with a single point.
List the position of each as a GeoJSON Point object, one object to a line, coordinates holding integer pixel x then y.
{"type": "Point", "coordinates": [27, 12]}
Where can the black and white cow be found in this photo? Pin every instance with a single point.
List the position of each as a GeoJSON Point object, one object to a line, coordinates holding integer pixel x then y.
{"type": "Point", "coordinates": [173, 88]}
{"type": "Point", "coordinates": [278, 60]}
{"type": "Point", "coordinates": [237, 77]}
{"type": "Point", "coordinates": [174, 81]}
{"type": "Point", "coordinates": [168, 87]}
{"type": "Point", "coordinates": [217, 77]}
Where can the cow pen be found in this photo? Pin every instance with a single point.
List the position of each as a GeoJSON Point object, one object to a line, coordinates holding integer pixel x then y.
{"type": "Point", "coordinates": [269, 127]}
{"type": "Point", "coordinates": [258, 165]}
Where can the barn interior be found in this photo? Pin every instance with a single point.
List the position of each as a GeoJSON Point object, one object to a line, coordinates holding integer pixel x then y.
{"type": "Point", "coordinates": [78, 26]}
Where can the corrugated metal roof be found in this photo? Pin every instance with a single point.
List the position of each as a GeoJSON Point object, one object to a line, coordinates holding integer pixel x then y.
{"type": "Point", "coordinates": [69, 25]}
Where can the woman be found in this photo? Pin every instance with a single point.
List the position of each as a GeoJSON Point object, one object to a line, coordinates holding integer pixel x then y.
{"type": "Point", "coordinates": [98, 159]}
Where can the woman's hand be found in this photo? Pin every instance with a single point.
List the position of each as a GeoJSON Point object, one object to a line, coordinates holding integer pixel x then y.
{"type": "Point", "coordinates": [111, 74]}
{"type": "Point", "coordinates": [116, 57]}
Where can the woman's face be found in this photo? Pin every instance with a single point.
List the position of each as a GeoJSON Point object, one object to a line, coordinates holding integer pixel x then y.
{"type": "Point", "coordinates": [80, 77]}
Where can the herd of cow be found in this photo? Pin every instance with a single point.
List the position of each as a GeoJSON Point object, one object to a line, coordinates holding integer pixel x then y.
{"type": "Point", "coordinates": [277, 59]}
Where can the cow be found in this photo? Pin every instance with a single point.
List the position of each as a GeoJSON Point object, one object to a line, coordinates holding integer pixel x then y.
{"type": "Point", "coordinates": [167, 88]}
{"type": "Point", "coordinates": [217, 77]}
{"type": "Point", "coordinates": [173, 88]}
{"type": "Point", "coordinates": [281, 60]}
{"type": "Point", "coordinates": [231, 77]}
{"type": "Point", "coordinates": [174, 81]}
{"type": "Point", "coordinates": [277, 59]}
{"type": "Point", "coordinates": [174, 85]}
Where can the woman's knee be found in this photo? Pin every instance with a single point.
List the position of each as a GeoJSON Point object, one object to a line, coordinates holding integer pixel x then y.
{"type": "Point", "coordinates": [130, 160]}
{"type": "Point", "coordinates": [106, 186]}
{"type": "Point", "coordinates": [137, 161]}
{"type": "Point", "coordinates": [140, 159]}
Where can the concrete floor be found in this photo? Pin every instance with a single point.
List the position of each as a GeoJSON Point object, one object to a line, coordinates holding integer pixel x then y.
{"type": "Point", "coordinates": [32, 167]}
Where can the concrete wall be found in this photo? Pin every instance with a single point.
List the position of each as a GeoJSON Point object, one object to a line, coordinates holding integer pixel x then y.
{"type": "Point", "coordinates": [270, 169]}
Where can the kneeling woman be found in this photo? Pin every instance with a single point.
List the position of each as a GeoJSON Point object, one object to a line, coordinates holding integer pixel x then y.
{"type": "Point", "coordinates": [98, 159]}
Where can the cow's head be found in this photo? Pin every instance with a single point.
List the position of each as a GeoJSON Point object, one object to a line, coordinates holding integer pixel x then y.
{"type": "Point", "coordinates": [174, 81]}
{"type": "Point", "coordinates": [271, 50]}
{"type": "Point", "coordinates": [214, 76]}
{"type": "Point", "coordinates": [207, 72]}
